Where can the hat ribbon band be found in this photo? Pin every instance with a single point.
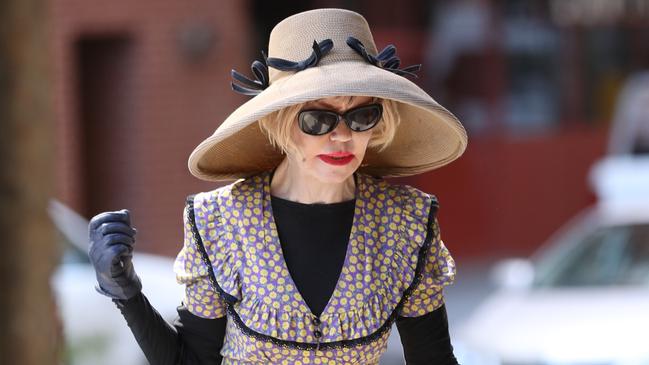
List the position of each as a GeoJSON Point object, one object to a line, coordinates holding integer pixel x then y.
{"type": "Point", "coordinates": [319, 51]}
{"type": "Point", "coordinates": [386, 59]}
{"type": "Point", "coordinates": [260, 69]}
{"type": "Point", "coordinates": [252, 87]}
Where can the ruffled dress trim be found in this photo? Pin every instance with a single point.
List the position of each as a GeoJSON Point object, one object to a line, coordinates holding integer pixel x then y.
{"type": "Point", "coordinates": [227, 297]}
{"type": "Point", "coordinates": [391, 218]}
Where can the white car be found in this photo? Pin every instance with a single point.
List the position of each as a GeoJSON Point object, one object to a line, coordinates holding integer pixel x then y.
{"type": "Point", "coordinates": [94, 329]}
{"type": "Point", "coordinates": [584, 298]}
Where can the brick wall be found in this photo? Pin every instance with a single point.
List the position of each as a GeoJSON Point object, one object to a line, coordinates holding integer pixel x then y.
{"type": "Point", "coordinates": [168, 99]}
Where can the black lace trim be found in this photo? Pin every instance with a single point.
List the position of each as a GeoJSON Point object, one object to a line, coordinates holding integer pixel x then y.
{"type": "Point", "coordinates": [231, 300]}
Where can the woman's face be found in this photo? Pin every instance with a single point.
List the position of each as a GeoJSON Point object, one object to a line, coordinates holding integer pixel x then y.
{"type": "Point", "coordinates": [315, 154]}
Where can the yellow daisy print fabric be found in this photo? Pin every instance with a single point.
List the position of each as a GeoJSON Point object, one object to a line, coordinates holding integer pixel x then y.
{"type": "Point", "coordinates": [232, 265]}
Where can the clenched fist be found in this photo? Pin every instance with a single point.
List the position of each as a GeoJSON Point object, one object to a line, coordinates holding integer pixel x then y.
{"type": "Point", "coordinates": [111, 250]}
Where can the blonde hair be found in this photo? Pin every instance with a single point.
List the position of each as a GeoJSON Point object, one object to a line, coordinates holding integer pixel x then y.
{"type": "Point", "coordinates": [278, 125]}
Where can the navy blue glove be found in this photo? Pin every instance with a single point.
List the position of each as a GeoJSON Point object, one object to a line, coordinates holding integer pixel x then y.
{"type": "Point", "coordinates": [111, 250]}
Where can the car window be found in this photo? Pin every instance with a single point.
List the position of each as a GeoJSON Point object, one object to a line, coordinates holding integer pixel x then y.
{"type": "Point", "coordinates": [617, 255]}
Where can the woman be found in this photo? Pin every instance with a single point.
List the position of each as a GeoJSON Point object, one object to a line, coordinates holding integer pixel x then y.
{"type": "Point", "coordinates": [310, 257]}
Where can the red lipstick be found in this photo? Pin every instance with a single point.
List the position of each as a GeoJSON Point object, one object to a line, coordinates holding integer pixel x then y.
{"type": "Point", "coordinates": [337, 158]}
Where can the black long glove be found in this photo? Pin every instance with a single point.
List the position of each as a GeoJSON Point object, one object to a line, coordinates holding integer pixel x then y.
{"type": "Point", "coordinates": [111, 251]}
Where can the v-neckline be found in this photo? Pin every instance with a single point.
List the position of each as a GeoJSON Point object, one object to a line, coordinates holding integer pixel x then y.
{"type": "Point", "coordinates": [269, 222]}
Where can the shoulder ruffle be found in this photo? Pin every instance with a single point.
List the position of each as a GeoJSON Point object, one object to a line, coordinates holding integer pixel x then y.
{"type": "Point", "coordinates": [201, 298]}
{"type": "Point", "coordinates": [222, 251]}
{"type": "Point", "coordinates": [420, 265]}
{"type": "Point", "coordinates": [435, 267]}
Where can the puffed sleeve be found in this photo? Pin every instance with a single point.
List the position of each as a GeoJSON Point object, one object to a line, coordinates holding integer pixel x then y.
{"type": "Point", "coordinates": [437, 271]}
{"type": "Point", "coordinates": [200, 297]}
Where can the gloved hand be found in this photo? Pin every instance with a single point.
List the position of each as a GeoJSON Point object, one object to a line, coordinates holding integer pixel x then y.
{"type": "Point", "coordinates": [111, 250]}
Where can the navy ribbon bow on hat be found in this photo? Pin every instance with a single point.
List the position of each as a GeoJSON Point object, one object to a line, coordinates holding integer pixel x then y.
{"type": "Point", "coordinates": [319, 50]}
{"type": "Point", "coordinates": [252, 87]}
{"type": "Point", "coordinates": [386, 59]}
{"type": "Point", "coordinates": [260, 70]}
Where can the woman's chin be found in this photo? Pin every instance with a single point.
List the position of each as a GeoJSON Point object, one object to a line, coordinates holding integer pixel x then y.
{"type": "Point", "coordinates": [334, 174]}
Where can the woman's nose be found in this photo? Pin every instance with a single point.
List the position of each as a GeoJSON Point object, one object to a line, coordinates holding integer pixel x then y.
{"type": "Point", "coordinates": [341, 133]}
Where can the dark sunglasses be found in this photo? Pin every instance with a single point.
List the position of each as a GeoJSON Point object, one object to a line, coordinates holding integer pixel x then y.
{"type": "Point", "coordinates": [317, 122]}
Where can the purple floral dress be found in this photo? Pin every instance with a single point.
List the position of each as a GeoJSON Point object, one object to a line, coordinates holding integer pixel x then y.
{"type": "Point", "coordinates": [232, 265]}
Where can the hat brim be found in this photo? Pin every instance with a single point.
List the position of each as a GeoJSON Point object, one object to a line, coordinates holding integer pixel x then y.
{"type": "Point", "coordinates": [428, 136]}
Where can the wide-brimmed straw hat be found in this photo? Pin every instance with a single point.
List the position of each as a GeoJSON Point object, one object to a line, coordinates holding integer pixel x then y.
{"type": "Point", "coordinates": [324, 53]}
